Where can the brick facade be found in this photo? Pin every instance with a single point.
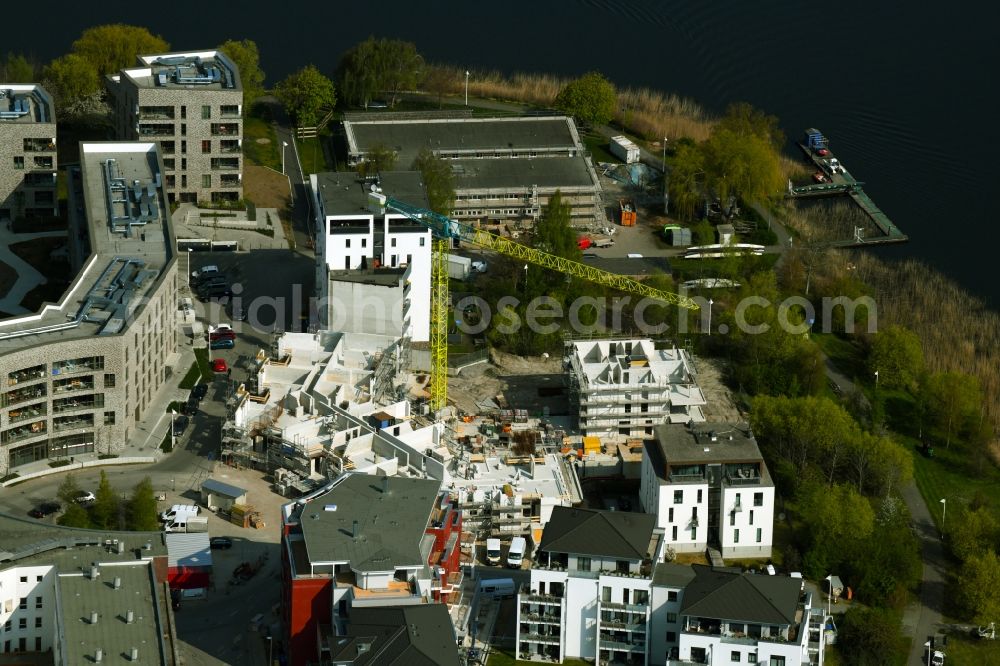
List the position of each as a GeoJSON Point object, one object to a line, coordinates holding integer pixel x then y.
{"type": "Point", "coordinates": [28, 160]}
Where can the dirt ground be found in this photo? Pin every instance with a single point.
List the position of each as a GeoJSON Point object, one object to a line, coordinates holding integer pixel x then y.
{"type": "Point", "coordinates": [266, 188]}
{"type": "Point", "coordinates": [720, 407]}
{"type": "Point", "coordinates": [525, 382]}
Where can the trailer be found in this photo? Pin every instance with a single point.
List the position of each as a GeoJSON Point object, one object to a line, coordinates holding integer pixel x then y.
{"type": "Point", "coordinates": [497, 588]}
{"type": "Point", "coordinates": [624, 149]}
{"type": "Point", "coordinates": [459, 268]}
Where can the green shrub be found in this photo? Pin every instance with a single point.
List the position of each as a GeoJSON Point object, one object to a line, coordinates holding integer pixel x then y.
{"type": "Point", "coordinates": [58, 463]}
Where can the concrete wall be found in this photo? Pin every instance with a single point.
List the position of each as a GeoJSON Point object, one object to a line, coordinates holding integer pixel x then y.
{"type": "Point", "coordinates": [355, 307]}
{"type": "Point", "coordinates": [747, 521]}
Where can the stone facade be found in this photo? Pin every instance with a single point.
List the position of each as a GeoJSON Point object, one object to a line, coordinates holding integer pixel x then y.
{"type": "Point", "coordinates": [199, 128]}
{"type": "Point", "coordinates": [28, 160]}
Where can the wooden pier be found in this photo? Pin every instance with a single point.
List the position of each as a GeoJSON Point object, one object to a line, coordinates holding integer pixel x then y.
{"type": "Point", "coordinates": [841, 183]}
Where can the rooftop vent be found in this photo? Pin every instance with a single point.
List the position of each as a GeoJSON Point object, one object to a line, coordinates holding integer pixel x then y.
{"type": "Point", "coordinates": [93, 617]}
{"type": "Point", "coordinates": [330, 507]}
{"type": "Point", "coordinates": [98, 656]}
{"type": "Point", "coordinates": [118, 583]}
{"type": "Point", "coordinates": [129, 617]}
{"type": "Point", "coordinates": [133, 654]}
{"type": "Point", "coordinates": [95, 571]}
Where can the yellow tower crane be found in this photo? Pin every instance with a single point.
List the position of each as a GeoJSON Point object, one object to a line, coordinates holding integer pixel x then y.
{"type": "Point", "coordinates": [445, 229]}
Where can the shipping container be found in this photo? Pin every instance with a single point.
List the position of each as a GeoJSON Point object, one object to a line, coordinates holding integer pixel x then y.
{"type": "Point", "coordinates": [624, 149]}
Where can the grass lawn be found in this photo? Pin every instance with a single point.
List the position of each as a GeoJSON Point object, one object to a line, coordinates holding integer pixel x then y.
{"type": "Point", "coordinates": [202, 357]}
{"type": "Point", "coordinates": [311, 154]}
{"type": "Point", "coordinates": [597, 144]}
{"type": "Point", "coordinates": [968, 651]}
{"type": "Point", "coordinates": [505, 658]}
{"type": "Point", "coordinates": [951, 475]}
{"type": "Point", "coordinates": [260, 143]}
{"type": "Point", "coordinates": [192, 377]}
{"type": "Point", "coordinates": [846, 354]}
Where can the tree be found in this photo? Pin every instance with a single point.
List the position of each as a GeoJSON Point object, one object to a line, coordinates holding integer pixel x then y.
{"type": "Point", "coordinates": [378, 158]}
{"type": "Point", "coordinates": [440, 81]}
{"type": "Point", "coordinates": [107, 506]}
{"type": "Point", "coordinates": [17, 69]}
{"type": "Point", "coordinates": [110, 48]}
{"type": "Point", "coordinates": [377, 65]}
{"type": "Point", "coordinates": [306, 94]}
{"type": "Point", "coordinates": [744, 120]}
{"type": "Point", "coordinates": [73, 80]}
{"type": "Point", "coordinates": [142, 508]}
{"type": "Point", "coordinates": [979, 586]}
{"type": "Point", "coordinates": [553, 232]}
{"type": "Point", "coordinates": [869, 637]}
{"type": "Point", "coordinates": [973, 531]}
{"type": "Point", "coordinates": [951, 399]}
{"type": "Point", "coordinates": [439, 180]}
{"type": "Point", "coordinates": [68, 489]}
{"type": "Point", "coordinates": [838, 519]}
{"type": "Point", "coordinates": [75, 516]}
{"type": "Point", "coordinates": [747, 167]}
{"type": "Point", "coordinates": [898, 358]}
{"type": "Point", "coordinates": [246, 57]}
{"type": "Point", "coordinates": [590, 98]}
{"type": "Point", "coordinates": [686, 195]}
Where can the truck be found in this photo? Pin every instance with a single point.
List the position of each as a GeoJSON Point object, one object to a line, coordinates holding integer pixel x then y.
{"type": "Point", "coordinates": [497, 587]}
{"type": "Point", "coordinates": [187, 524]}
{"type": "Point", "coordinates": [177, 510]}
{"type": "Point", "coordinates": [602, 241]}
{"type": "Point", "coordinates": [459, 268]}
{"type": "Point", "coordinates": [583, 242]}
{"type": "Point", "coordinates": [493, 551]}
{"type": "Point", "coordinates": [515, 555]}
{"type": "Point", "coordinates": [624, 149]}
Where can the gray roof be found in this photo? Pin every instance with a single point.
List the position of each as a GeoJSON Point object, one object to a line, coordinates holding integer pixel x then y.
{"type": "Point", "coordinates": [25, 103]}
{"type": "Point", "coordinates": [222, 489]}
{"type": "Point", "coordinates": [379, 277]}
{"type": "Point", "coordinates": [693, 443]}
{"type": "Point", "coordinates": [724, 595]}
{"type": "Point", "coordinates": [344, 193]}
{"type": "Point", "coordinates": [668, 574]}
{"type": "Point", "coordinates": [409, 137]}
{"type": "Point", "coordinates": [198, 70]}
{"type": "Point", "coordinates": [188, 550]}
{"type": "Point", "coordinates": [22, 538]}
{"type": "Point", "coordinates": [80, 596]}
{"type": "Point", "coordinates": [391, 515]}
{"type": "Point", "coordinates": [613, 534]}
{"type": "Point", "coordinates": [545, 172]}
{"type": "Point", "coordinates": [420, 635]}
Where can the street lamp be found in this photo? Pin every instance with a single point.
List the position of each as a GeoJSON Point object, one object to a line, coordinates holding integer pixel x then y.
{"type": "Point", "coordinates": [467, 87]}
{"type": "Point", "coordinates": [173, 439]}
{"type": "Point", "coordinates": [829, 594]}
{"type": "Point", "coordinates": [284, 144]}
{"type": "Point", "coordinates": [526, 278]}
{"type": "Point", "coordinates": [876, 379]}
{"type": "Point", "coordinates": [710, 302]}
{"type": "Point", "coordinates": [270, 651]}
{"type": "Point", "coordinates": [173, 486]}
{"type": "Point", "coordinates": [189, 266]}
{"type": "Point", "coordinates": [944, 512]}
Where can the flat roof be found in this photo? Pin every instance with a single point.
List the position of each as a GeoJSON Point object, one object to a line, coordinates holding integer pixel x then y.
{"type": "Point", "coordinates": [378, 277]}
{"type": "Point", "coordinates": [409, 136]}
{"type": "Point", "coordinates": [695, 443]}
{"type": "Point", "coordinates": [188, 70]}
{"type": "Point", "coordinates": [119, 189]}
{"type": "Point", "coordinates": [344, 193]}
{"type": "Point", "coordinates": [545, 172]}
{"type": "Point", "coordinates": [25, 103]}
{"type": "Point", "coordinates": [27, 540]}
{"type": "Point", "coordinates": [221, 488]}
{"type": "Point", "coordinates": [113, 634]}
{"type": "Point", "coordinates": [391, 514]}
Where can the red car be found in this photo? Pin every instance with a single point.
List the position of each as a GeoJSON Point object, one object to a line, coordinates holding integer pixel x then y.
{"type": "Point", "coordinates": [820, 177]}
{"type": "Point", "coordinates": [223, 334]}
{"type": "Point", "coordinates": [822, 152]}
{"type": "Point", "coordinates": [219, 365]}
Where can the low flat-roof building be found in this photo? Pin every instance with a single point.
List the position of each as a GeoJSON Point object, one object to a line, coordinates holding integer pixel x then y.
{"type": "Point", "coordinates": [191, 103]}
{"type": "Point", "coordinates": [28, 161]}
{"type": "Point", "coordinates": [506, 169]}
{"type": "Point", "coordinates": [79, 374]}
{"type": "Point", "coordinates": [708, 486]}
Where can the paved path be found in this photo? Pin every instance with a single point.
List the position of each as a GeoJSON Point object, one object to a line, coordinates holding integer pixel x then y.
{"type": "Point", "coordinates": [27, 277]}
{"type": "Point", "coordinates": [301, 218]}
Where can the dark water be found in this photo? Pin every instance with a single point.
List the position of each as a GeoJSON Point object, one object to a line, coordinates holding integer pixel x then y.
{"type": "Point", "coordinates": [904, 91]}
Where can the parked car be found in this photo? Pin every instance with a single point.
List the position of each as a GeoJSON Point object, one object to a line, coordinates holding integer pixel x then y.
{"type": "Point", "coordinates": [84, 497]}
{"type": "Point", "coordinates": [219, 365]}
{"type": "Point", "coordinates": [200, 391]}
{"type": "Point", "coordinates": [222, 343]}
{"type": "Point", "coordinates": [224, 334]}
{"type": "Point", "coordinates": [45, 509]}
{"type": "Point", "coordinates": [220, 543]}
{"type": "Point", "coordinates": [205, 271]}
{"type": "Point", "coordinates": [180, 425]}
{"type": "Point", "coordinates": [192, 405]}
{"type": "Point", "coordinates": [822, 152]}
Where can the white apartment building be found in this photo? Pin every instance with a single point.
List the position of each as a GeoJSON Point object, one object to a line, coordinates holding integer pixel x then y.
{"type": "Point", "coordinates": [628, 387]}
{"type": "Point", "coordinates": [708, 486]}
{"type": "Point", "coordinates": [590, 591]}
{"type": "Point", "coordinates": [721, 617]}
{"type": "Point", "coordinates": [353, 235]}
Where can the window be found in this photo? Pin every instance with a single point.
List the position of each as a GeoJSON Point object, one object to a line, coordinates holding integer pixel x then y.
{"type": "Point", "coordinates": [758, 499]}
{"type": "Point", "coordinates": [184, 165]}
{"type": "Point", "coordinates": [734, 656]}
{"type": "Point", "coordinates": [38, 643]}
{"type": "Point", "coordinates": [18, 161]}
{"type": "Point", "coordinates": [364, 242]}
{"type": "Point", "coordinates": [184, 112]}
{"type": "Point", "coordinates": [393, 244]}
{"type": "Point", "coordinates": [109, 418]}
{"type": "Point", "coordinates": [109, 380]}
{"type": "Point", "coordinates": [206, 146]}
{"type": "Point", "coordinates": [678, 497]}
{"type": "Point", "coordinates": [760, 535]}
{"type": "Point", "coordinates": [736, 536]}
{"type": "Point", "coordinates": [24, 603]}
{"type": "Point", "coordinates": [751, 516]}
{"type": "Point", "coordinates": [777, 661]}
{"type": "Point", "coordinates": [670, 515]}
{"type": "Point", "coordinates": [347, 243]}
{"type": "Point", "coordinates": [206, 112]}
{"type": "Point", "coordinates": [422, 241]}
{"type": "Point", "coordinates": [583, 564]}
{"type": "Point", "coordinates": [184, 129]}
{"type": "Point", "coordinates": [206, 180]}
{"type": "Point", "coordinates": [673, 536]}
{"type": "Point", "coordinates": [732, 518]}
{"type": "Point", "coordinates": [38, 579]}
{"type": "Point", "coordinates": [184, 178]}
{"type": "Point", "coordinates": [38, 602]}
{"type": "Point", "coordinates": [24, 579]}
{"type": "Point", "coordinates": [7, 627]}
{"type": "Point", "coordinates": [672, 595]}
{"type": "Point", "coordinates": [671, 636]}
{"type": "Point", "coordinates": [671, 617]}
{"type": "Point", "coordinates": [699, 496]}
{"type": "Point", "coordinates": [38, 623]}
{"type": "Point", "coordinates": [184, 147]}
{"type": "Point", "coordinates": [22, 623]}
{"type": "Point", "coordinates": [606, 594]}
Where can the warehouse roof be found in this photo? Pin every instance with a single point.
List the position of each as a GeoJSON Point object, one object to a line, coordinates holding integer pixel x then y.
{"type": "Point", "coordinates": [217, 487]}
{"type": "Point", "coordinates": [374, 523]}
{"type": "Point", "coordinates": [724, 595]}
{"type": "Point", "coordinates": [545, 172]}
{"type": "Point", "coordinates": [21, 538]}
{"type": "Point", "coordinates": [473, 135]}
{"type": "Point", "coordinates": [188, 550]}
{"type": "Point", "coordinates": [616, 534]}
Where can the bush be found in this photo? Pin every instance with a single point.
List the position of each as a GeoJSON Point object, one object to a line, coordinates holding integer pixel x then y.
{"type": "Point", "coordinates": [58, 463]}
{"type": "Point", "coordinates": [9, 477]}
{"type": "Point", "coordinates": [107, 456]}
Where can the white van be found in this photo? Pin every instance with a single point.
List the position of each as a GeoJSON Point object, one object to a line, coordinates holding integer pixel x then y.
{"type": "Point", "coordinates": [493, 551]}
{"type": "Point", "coordinates": [179, 509]}
{"type": "Point", "coordinates": [516, 553]}
{"type": "Point", "coordinates": [497, 587]}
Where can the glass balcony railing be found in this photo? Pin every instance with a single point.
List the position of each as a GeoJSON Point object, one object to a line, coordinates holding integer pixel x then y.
{"type": "Point", "coordinates": [26, 375]}
{"type": "Point", "coordinates": [23, 432]}
{"type": "Point", "coordinates": [73, 384]}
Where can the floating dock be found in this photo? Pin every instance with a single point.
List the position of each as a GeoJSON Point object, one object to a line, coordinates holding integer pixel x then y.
{"type": "Point", "coordinates": [841, 182]}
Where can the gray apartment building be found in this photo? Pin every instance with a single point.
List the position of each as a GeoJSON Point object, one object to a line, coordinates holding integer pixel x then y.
{"type": "Point", "coordinates": [506, 169]}
{"type": "Point", "coordinates": [76, 376]}
{"type": "Point", "coordinates": [192, 105]}
{"type": "Point", "coordinates": [27, 152]}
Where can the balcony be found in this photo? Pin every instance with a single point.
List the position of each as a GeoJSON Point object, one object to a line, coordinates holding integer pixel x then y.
{"type": "Point", "coordinates": [78, 365]}
{"type": "Point", "coordinates": [63, 405]}
{"type": "Point", "coordinates": [620, 646]}
{"type": "Point", "coordinates": [540, 638]}
{"type": "Point", "coordinates": [167, 147]}
{"type": "Point", "coordinates": [230, 111]}
{"type": "Point", "coordinates": [26, 375]}
{"type": "Point", "coordinates": [158, 129]}
{"type": "Point", "coordinates": [639, 609]}
{"type": "Point", "coordinates": [225, 129]}
{"type": "Point", "coordinates": [74, 384]}
{"type": "Point", "coordinates": [541, 598]}
{"type": "Point", "coordinates": [27, 412]}
{"type": "Point", "coordinates": [43, 163]}
{"type": "Point", "coordinates": [39, 179]}
{"type": "Point", "coordinates": [63, 423]}
{"type": "Point", "coordinates": [156, 113]}
{"type": "Point", "coordinates": [230, 146]}
{"type": "Point", "coordinates": [23, 432]}
{"type": "Point", "coordinates": [39, 145]}
{"type": "Point", "coordinates": [225, 163]}
{"type": "Point", "coordinates": [23, 394]}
